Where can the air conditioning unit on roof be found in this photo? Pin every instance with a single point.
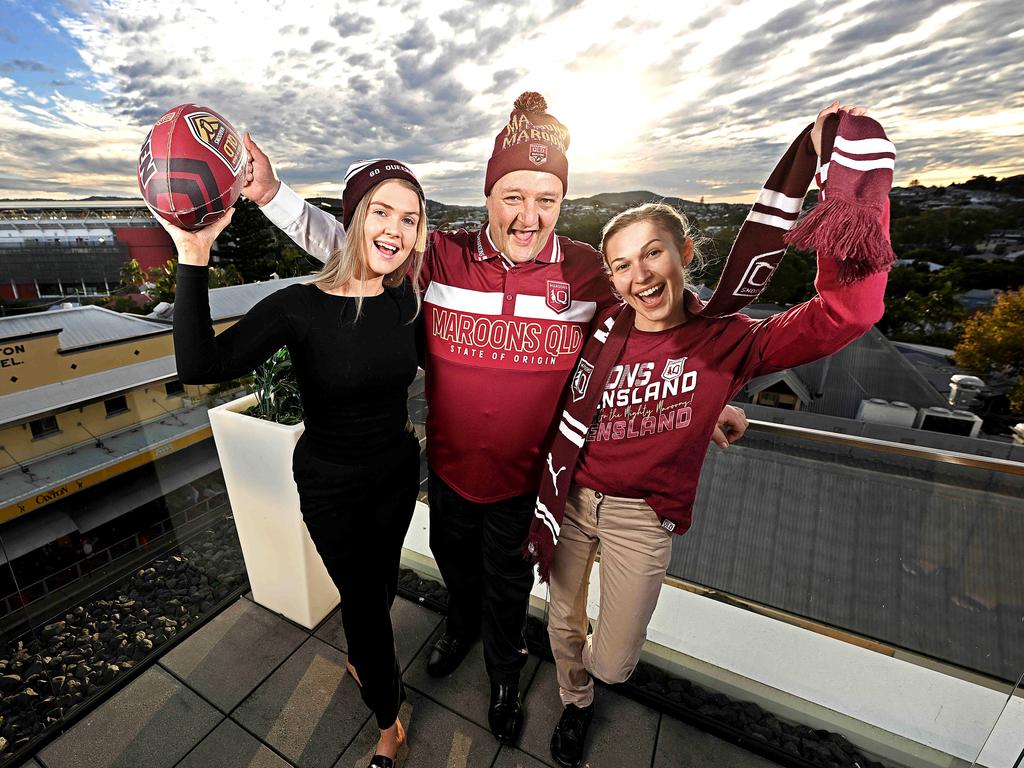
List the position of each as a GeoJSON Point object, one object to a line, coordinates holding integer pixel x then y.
{"type": "Point", "coordinates": [936, 419]}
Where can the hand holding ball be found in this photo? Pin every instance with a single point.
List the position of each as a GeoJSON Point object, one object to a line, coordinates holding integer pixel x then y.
{"type": "Point", "coordinates": [191, 167]}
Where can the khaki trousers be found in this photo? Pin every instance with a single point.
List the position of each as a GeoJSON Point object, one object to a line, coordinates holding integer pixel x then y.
{"type": "Point", "coordinates": [635, 552]}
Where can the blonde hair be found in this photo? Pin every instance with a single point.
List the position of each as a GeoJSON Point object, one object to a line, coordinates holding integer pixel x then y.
{"type": "Point", "coordinates": [349, 262]}
{"type": "Point", "coordinates": [667, 218]}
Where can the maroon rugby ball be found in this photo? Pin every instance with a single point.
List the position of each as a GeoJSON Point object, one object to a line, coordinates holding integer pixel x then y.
{"type": "Point", "coordinates": [191, 166]}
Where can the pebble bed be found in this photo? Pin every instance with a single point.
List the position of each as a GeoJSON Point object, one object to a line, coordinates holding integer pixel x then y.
{"type": "Point", "coordinates": [59, 668]}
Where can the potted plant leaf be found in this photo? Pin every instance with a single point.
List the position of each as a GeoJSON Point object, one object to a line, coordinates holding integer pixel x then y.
{"type": "Point", "coordinates": [255, 436]}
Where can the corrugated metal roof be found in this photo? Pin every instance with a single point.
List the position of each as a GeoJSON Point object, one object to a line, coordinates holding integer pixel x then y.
{"type": "Point", "coordinates": [30, 403]}
{"type": "Point", "coordinates": [869, 367]}
{"type": "Point", "coordinates": [236, 300]}
{"type": "Point", "coordinates": [80, 326]}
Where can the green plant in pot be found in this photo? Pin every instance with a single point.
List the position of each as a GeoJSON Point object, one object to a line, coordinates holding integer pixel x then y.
{"type": "Point", "coordinates": [277, 391]}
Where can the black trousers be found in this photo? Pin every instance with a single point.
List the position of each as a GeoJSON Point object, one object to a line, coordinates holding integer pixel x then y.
{"type": "Point", "coordinates": [479, 550]}
{"type": "Point", "coordinates": [357, 516]}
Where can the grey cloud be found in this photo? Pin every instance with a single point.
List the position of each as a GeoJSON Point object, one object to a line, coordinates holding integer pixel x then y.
{"type": "Point", "coordinates": [359, 60]}
{"type": "Point", "coordinates": [24, 65]}
{"type": "Point", "coordinates": [503, 78]}
{"type": "Point", "coordinates": [348, 24]}
{"type": "Point", "coordinates": [762, 44]}
{"type": "Point", "coordinates": [10, 37]}
{"type": "Point", "coordinates": [319, 46]}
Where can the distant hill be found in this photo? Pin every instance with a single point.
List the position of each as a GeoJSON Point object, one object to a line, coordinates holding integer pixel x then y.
{"type": "Point", "coordinates": [629, 199]}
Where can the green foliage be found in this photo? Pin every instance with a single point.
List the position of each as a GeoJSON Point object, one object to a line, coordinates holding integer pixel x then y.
{"type": "Point", "coordinates": [925, 318]}
{"type": "Point", "coordinates": [993, 342]}
{"type": "Point", "coordinates": [277, 391]}
{"type": "Point", "coordinates": [220, 277]}
{"type": "Point", "coordinates": [130, 276]}
{"type": "Point", "coordinates": [163, 279]}
{"type": "Point", "coordinates": [257, 249]}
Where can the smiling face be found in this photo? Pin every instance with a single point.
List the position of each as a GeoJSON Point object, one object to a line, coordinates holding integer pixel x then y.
{"type": "Point", "coordinates": [647, 269]}
{"type": "Point", "coordinates": [390, 229]}
{"type": "Point", "coordinates": [522, 210]}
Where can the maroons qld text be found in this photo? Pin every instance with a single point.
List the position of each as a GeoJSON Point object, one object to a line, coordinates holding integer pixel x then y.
{"type": "Point", "coordinates": [504, 341]}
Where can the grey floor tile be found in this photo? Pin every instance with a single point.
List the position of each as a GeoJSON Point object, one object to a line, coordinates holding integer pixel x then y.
{"type": "Point", "coordinates": [623, 732]}
{"type": "Point", "coordinates": [231, 747]}
{"type": "Point", "coordinates": [412, 623]}
{"type": "Point", "coordinates": [226, 659]}
{"type": "Point", "coordinates": [467, 690]}
{"type": "Point", "coordinates": [514, 758]}
{"type": "Point", "coordinates": [437, 737]}
{"type": "Point", "coordinates": [309, 709]}
{"type": "Point", "coordinates": [153, 723]}
{"type": "Point", "coordinates": [683, 746]}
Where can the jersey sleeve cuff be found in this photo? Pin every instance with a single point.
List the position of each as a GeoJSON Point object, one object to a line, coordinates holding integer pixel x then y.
{"type": "Point", "coordinates": [284, 208]}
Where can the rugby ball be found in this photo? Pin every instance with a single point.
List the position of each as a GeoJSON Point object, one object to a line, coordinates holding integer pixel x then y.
{"type": "Point", "coordinates": [191, 166]}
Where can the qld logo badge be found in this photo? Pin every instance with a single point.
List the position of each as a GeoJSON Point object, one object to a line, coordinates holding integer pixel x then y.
{"type": "Point", "coordinates": [538, 154]}
{"type": "Point", "coordinates": [580, 380]}
{"type": "Point", "coordinates": [217, 136]}
{"type": "Point", "coordinates": [557, 296]}
{"type": "Point", "coordinates": [673, 368]}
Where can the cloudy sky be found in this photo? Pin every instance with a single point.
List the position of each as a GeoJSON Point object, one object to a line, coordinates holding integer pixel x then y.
{"type": "Point", "coordinates": [695, 101]}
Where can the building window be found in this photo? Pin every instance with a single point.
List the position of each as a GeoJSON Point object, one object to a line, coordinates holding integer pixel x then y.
{"type": "Point", "coordinates": [44, 427]}
{"type": "Point", "coordinates": [116, 405]}
{"type": "Point", "coordinates": [174, 388]}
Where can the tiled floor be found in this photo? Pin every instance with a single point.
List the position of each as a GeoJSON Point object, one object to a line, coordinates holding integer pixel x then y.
{"type": "Point", "coordinates": [252, 690]}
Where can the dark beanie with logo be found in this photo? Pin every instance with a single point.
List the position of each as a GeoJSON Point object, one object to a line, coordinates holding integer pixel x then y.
{"type": "Point", "coordinates": [533, 140]}
{"type": "Point", "coordinates": [363, 176]}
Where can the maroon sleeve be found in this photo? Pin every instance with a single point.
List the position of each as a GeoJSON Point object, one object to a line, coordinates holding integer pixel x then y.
{"type": "Point", "coordinates": [838, 315]}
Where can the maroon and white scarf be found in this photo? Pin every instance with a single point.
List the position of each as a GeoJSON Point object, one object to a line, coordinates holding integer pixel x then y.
{"type": "Point", "coordinates": [850, 224]}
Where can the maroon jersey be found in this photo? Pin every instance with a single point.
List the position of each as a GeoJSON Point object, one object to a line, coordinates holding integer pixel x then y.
{"type": "Point", "coordinates": [501, 341]}
{"type": "Point", "coordinates": [662, 399]}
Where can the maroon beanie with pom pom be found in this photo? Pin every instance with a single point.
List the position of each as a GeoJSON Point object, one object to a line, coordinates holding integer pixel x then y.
{"type": "Point", "coordinates": [533, 140]}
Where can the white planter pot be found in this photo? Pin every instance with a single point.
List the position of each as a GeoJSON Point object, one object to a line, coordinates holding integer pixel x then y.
{"type": "Point", "coordinates": [285, 571]}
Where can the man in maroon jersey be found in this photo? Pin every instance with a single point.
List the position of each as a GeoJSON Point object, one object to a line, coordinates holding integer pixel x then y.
{"type": "Point", "coordinates": [505, 309]}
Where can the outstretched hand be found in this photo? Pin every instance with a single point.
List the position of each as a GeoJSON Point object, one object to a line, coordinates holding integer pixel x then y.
{"type": "Point", "coordinates": [732, 423]}
{"type": "Point", "coordinates": [194, 247]}
{"type": "Point", "coordinates": [261, 183]}
{"type": "Point", "coordinates": [832, 108]}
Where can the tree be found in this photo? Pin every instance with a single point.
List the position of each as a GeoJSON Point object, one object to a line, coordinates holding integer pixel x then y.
{"type": "Point", "coordinates": [164, 279]}
{"type": "Point", "coordinates": [993, 343]}
{"type": "Point", "coordinates": [256, 249]}
{"type": "Point", "coordinates": [130, 276]}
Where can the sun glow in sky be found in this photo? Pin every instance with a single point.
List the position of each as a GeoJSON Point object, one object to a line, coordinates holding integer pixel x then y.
{"type": "Point", "coordinates": [696, 102]}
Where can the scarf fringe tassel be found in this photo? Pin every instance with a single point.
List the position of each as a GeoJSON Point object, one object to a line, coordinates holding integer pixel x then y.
{"type": "Point", "coordinates": [850, 233]}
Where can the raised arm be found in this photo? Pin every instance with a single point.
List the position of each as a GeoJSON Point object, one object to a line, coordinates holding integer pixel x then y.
{"type": "Point", "coordinates": [202, 357]}
{"type": "Point", "coordinates": [314, 230]}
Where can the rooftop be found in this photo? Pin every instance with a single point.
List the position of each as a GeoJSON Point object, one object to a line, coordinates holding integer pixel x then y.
{"type": "Point", "coordinates": [252, 689]}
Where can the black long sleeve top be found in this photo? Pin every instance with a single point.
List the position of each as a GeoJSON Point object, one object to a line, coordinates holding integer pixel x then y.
{"type": "Point", "coordinates": [353, 375]}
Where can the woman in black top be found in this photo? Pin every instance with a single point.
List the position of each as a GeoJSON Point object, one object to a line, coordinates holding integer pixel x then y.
{"type": "Point", "coordinates": [352, 341]}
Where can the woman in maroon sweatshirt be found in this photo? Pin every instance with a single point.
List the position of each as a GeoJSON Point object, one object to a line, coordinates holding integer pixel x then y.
{"type": "Point", "coordinates": [635, 446]}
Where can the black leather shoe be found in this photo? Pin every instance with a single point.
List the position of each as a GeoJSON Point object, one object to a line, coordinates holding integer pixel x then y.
{"type": "Point", "coordinates": [570, 735]}
{"type": "Point", "coordinates": [379, 761]}
{"type": "Point", "coordinates": [505, 715]}
{"type": "Point", "coordinates": [446, 655]}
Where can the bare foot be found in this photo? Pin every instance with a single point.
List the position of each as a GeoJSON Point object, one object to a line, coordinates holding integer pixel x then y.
{"type": "Point", "coordinates": [352, 671]}
{"type": "Point", "coordinates": [391, 740]}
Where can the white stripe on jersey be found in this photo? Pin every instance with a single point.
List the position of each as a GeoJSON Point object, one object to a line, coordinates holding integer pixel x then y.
{"type": "Point", "coordinates": [465, 299]}
{"type": "Point", "coordinates": [536, 306]}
